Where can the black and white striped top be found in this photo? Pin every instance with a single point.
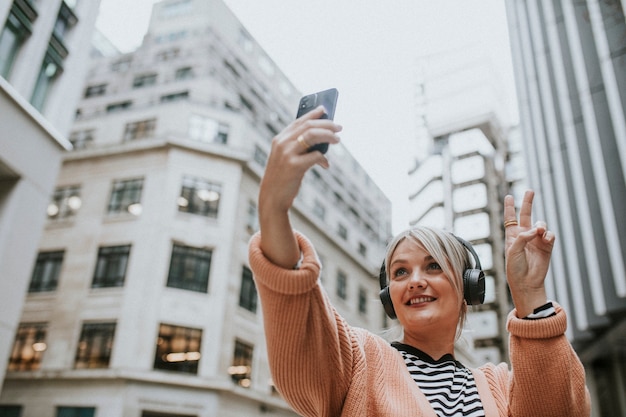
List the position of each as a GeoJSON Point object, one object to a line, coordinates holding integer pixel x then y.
{"type": "Point", "coordinates": [447, 384]}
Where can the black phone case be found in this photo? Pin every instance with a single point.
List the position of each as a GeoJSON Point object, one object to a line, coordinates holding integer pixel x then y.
{"type": "Point", "coordinates": [327, 98]}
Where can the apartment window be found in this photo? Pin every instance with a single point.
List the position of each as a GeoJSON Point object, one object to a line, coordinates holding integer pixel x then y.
{"type": "Point", "coordinates": [76, 412]}
{"type": "Point", "coordinates": [144, 80]}
{"type": "Point", "coordinates": [199, 196]}
{"type": "Point", "coordinates": [241, 368]}
{"type": "Point", "coordinates": [178, 349]}
{"type": "Point", "coordinates": [121, 65]}
{"type": "Point", "coordinates": [140, 129]}
{"type": "Point", "coordinates": [81, 139]}
{"type": "Point", "coordinates": [362, 300]}
{"type": "Point", "coordinates": [319, 210]}
{"type": "Point", "coordinates": [95, 345]}
{"type": "Point", "coordinates": [342, 231]}
{"type": "Point", "coordinates": [252, 223]}
{"type": "Point", "coordinates": [111, 266]}
{"type": "Point", "coordinates": [126, 197]}
{"type": "Point", "coordinates": [65, 20]}
{"type": "Point", "coordinates": [10, 410]}
{"type": "Point", "coordinates": [65, 203]}
{"type": "Point", "coordinates": [189, 268]}
{"type": "Point", "coordinates": [46, 273]}
{"type": "Point", "coordinates": [247, 293]}
{"type": "Point", "coordinates": [168, 54]}
{"type": "Point", "coordinates": [260, 156]}
{"type": "Point", "coordinates": [50, 70]}
{"type": "Point", "coordinates": [185, 73]}
{"type": "Point", "coordinates": [95, 90]}
{"type": "Point", "coordinates": [362, 249]}
{"type": "Point", "coordinates": [17, 28]}
{"type": "Point", "coordinates": [168, 98]}
{"type": "Point", "coordinates": [208, 130]}
{"type": "Point", "coordinates": [342, 283]}
{"type": "Point", "coordinates": [122, 105]}
{"type": "Point", "coordinates": [28, 347]}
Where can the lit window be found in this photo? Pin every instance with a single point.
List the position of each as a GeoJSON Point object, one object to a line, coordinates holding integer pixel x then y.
{"type": "Point", "coordinates": [140, 129]}
{"type": "Point", "coordinates": [178, 349]}
{"type": "Point", "coordinates": [46, 273]}
{"type": "Point", "coordinates": [189, 268]}
{"type": "Point", "coordinates": [199, 196]}
{"type": "Point", "coordinates": [241, 369]}
{"type": "Point", "coordinates": [126, 197]}
{"type": "Point", "coordinates": [28, 347]}
{"type": "Point", "coordinates": [247, 293]}
{"type": "Point", "coordinates": [65, 203]}
{"type": "Point", "coordinates": [111, 266]}
{"type": "Point", "coordinates": [95, 345]}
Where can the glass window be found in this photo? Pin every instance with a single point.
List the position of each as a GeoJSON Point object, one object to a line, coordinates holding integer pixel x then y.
{"type": "Point", "coordinates": [10, 410]}
{"type": "Point", "coordinates": [183, 95]}
{"type": "Point", "coordinates": [50, 70]}
{"type": "Point", "coordinates": [178, 349]}
{"type": "Point", "coordinates": [241, 368]}
{"type": "Point", "coordinates": [260, 156]}
{"type": "Point", "coordinates": [123, 105]}
{"type": "Point", "coordinates": [28, 347]}
{"type": "Point", "coordinates": [342, 231]}
{"type": "Point", "coordinates": [208, 130]}
{"type": "Point", "coordinates": [185, 73]}
{"type": "Point", "coordinates": [81, 139]}
{"type": "Point", "coordinates": [144, 80]}
{"type": "Point", "coordinates": [189, 268]}
{"type": "Point", "coordinates": [342, 283]}
{"type": "Point", "coordinates": [252, 223]}
{"type": "Point", "coordinates": [46, 273]}
{"type": "Point", "coordinates": [362, 300]}
{"type": "Point", "coordinates": [126, 197]}
{"type": "Point", "coordinates": [95, 90]}
{"type": "Point", "coordinates": [199, 196]}
{"type": "Point", "coordinates": [65, 203]}
{"type": "Point", "coordinates": [76, 412]}
{"type": "Point", "coordinates": [111, 266]}
{"type": "Point", "coordinates": [95, 345]}
{"type": "Point", "coordinates": [17, 28]}
{"type": "Point", "coordinates": [140, 129]}
{"type": "Point", "coordinates": [247, 293]}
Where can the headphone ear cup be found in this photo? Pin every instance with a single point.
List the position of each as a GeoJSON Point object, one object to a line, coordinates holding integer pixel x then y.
{"type": "Point", "coordinates": [474, 286]}
{"type": "Point", "coordinates": [385, 298]}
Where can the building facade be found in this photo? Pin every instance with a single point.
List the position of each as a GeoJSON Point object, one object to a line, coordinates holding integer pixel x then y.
{"type": "Point", "coordinates": [43, 50]}
{"type": "Point", "coordinates": [570, 65]}
{"type": "Point", "coordinates": [141, 302]}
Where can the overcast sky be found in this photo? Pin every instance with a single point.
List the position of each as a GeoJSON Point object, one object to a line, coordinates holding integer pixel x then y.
{"type": "Point", "coordinates": [369, 50]}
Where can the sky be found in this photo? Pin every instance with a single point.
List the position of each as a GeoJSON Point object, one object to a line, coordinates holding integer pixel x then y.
{"type": "Point", "coordinates": [370, 51]}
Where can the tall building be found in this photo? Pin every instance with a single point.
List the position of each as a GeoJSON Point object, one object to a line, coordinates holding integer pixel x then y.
{"type": "Point", "coordinates": [141, 302]}
{"type": "Point", "coordinates": [570, 66]}
{"type": "Point", "coordinates": [43, 50]}
{"type": "Point", "coordinates": [459, 182]}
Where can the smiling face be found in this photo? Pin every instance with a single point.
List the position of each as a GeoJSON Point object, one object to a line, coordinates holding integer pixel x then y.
{"type": "Point", "coordinates": [423, 296]}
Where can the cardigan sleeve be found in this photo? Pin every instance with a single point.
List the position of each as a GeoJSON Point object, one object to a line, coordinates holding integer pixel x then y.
{"type": "Point", "coordinates": [547, 377]}
{"type": "Point", "coordinates": [309, 344]}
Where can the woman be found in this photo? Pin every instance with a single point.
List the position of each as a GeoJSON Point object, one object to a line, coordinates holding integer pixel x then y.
{"type": "Point", "coordinates": [324, 367]}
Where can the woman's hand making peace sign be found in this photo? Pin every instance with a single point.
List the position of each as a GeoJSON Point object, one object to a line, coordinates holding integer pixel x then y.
{"type": "Point", "coordinates": [527, 250]}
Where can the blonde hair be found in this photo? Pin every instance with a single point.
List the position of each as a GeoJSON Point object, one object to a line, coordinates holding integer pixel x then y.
{"type": "Point", "coordinates": [447, 251]}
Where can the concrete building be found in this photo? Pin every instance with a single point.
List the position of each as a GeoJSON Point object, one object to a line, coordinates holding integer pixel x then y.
{"type": "Point", "coordinates": [460, 183]}
{"type": "Point", "coordinates": [141, 302]}
{"type": "Point", "coordinates": [571, 75]}
{"type": "Point", "coordinates": [43, 51]}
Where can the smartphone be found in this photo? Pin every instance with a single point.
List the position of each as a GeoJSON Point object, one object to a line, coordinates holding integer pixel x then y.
{"type": "Point", "coordinates": [327, 98]}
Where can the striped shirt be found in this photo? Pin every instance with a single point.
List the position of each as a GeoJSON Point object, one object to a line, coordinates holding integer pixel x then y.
{"type": "Point", "coordinates": [447, 384]}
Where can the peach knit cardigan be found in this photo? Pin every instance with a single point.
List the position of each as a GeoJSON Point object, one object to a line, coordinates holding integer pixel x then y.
{"type": "Point", "coordinates": [324, 367]}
